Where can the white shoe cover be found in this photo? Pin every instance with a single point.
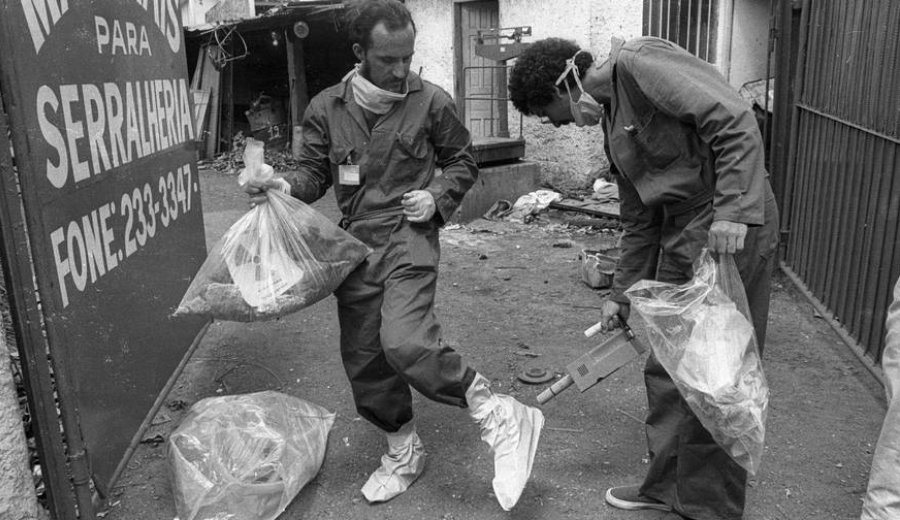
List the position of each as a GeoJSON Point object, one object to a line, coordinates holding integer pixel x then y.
{"type": "Point", "coordinates": [400, 466]}
{"type": "Point", "coordinates": [512, 430]}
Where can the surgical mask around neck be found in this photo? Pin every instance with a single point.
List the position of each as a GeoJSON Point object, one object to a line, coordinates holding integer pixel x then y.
{"type": "Point", "coordinates": [586, 111]}
{"type": "Point", "coordinates": [372, 98]}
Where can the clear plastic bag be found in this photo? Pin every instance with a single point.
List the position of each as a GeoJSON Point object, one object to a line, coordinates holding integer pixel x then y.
{"type": "Point", "coordinates": [702, 335]}
{"type": "Point", "coordinates": [278, 258]}
{"type": "Point", "coordinates": [245, 456]}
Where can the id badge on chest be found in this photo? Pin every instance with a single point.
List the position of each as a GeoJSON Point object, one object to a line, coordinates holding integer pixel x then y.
{"type": "Point", "coordinates": [348, 174]}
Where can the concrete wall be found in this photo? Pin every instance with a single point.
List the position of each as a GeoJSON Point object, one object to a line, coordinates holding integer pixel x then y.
{"type": "Point", "coordinates": [434, 44]}
{"type": "Point", "coordinates": [502, 182]}
{"type": "Point", "coordinates": [750, 33]}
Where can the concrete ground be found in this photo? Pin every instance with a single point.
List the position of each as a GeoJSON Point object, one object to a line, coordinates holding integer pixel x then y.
{"type": "Point", "coordinates": [510, 297]}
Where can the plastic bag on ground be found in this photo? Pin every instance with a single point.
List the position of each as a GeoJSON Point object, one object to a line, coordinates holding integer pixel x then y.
{"type": "Point", "coordinates": [532, 204]}
{"type": "Point", "coordinates": [245, 456]}
{"type": "Point", "coordinates": [278, 258]}
{"type": "Point", "coordinates": [702, 335]}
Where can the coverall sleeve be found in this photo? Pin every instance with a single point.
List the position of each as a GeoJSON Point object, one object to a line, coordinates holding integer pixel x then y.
{"type": "Point", "coordinates": [639, 244]}
{"type": "Point", "coordinates": [691, 90]}
{"type": "Point", "coordinates": [453, 151]}
{"type": "Point", "coordinates": [313, 176]}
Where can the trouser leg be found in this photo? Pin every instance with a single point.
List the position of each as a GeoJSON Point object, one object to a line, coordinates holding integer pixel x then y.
{"type": "Point", "coordinates": [756, 263]}
{"type": "Point", "coordinates": [687, 470]}
{"type": "Point", "coordinates": [411, 339]}
{"type": "Point", "coordinates": [381, 395]}
{"type": "Point", "coordinates": [390, 340]}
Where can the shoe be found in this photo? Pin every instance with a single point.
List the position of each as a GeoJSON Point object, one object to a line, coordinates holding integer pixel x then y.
{"type": "Point", "coordinates": [400, 466]}
{"type": "Point", "coordinates": [630, 499]}
{"type": "Point", "coordinates": [512, 430]}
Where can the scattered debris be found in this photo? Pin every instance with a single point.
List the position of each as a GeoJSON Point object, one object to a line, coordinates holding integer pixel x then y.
{"type": "Point", "coordinates": [535, 375]}
{"type": "Point", "coordinates": [598, 267]}
{"type": "Point", "coordinates": [597, 209]}
{"type": "Point", "coordinates": [570, 430]}
{"type": "Point", "coordinates": [232, 161]}
{"type": "Point", "coordinates": [176, 405]}
{"type": "Point", "coordinates": [595, 222]}
{"type": "Point", "coordinates": [161, 418]}
{"type": "Point", "coordinates": [154, 440]}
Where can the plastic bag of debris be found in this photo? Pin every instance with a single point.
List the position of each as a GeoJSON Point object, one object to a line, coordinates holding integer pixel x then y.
{"type": "Point", "coordinates": [702, 334]}
{"type": "Point", "coordinates": [245, 456]}
{"type": "Point", "coordinates": [280, 257]}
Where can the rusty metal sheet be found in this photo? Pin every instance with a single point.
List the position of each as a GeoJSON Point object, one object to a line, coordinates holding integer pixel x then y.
{"type": "Point", "coordinates": [100, 110]}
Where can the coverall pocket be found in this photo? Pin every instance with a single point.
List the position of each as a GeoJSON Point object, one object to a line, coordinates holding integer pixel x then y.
{"type": "Point", "coordinates": [660, 141]}
{"type": "Point", "coordinates": [338, 156]}
{"type": "Point", "coordinates": [407, 166]}
{"type": "Point", "coordinates": [414, 146]}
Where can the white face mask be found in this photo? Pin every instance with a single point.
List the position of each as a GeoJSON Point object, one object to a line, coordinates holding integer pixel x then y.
{"type": "Point", "coordinates": [372, 98]}
{"type": "Point", "coordinates": [586, 111]}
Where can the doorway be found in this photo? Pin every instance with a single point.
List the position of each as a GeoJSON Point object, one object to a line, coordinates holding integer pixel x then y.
{"type": "Point", "coordinates": [479, 80]}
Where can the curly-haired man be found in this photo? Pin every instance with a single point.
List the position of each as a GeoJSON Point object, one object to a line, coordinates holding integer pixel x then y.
{"type": "Point", "coordinates": [688, 158]}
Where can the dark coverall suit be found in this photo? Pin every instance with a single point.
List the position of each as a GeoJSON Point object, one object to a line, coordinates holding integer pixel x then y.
{"type": "Point", "coordinates": [686, 151]}
{"type": "Point", "coordinates": [390, 338]}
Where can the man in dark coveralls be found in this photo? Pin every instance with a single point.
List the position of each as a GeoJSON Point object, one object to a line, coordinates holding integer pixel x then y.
{"type": "Point", "coordinates": [688, 158]}
{"type": "Point", "coordinates": [376, 138]}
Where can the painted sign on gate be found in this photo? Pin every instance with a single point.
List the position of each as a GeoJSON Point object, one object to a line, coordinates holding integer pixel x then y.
{"type": "Point", "coordinates": [100, 111]}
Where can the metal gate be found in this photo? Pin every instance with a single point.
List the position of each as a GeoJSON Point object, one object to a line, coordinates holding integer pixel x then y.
{"type": "Point", "coordinates": [841, 173]}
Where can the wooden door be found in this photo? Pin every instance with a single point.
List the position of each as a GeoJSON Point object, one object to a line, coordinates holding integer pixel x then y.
{"type": "Point", "coordinates": [479, 78]}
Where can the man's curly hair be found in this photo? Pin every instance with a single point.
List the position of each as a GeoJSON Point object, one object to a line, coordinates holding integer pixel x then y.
{"type": "Point", "coordinates": [531, 81]}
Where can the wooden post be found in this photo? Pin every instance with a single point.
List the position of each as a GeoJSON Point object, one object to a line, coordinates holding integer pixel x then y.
{"type": "Point", "coordinates": [227, 111]}
{"type": "Point", "coordinates": [299, 93]}
{"type": "Point", "coordinates": [502, 105]}
{"type": "Point", "coordinates": [212, 81]}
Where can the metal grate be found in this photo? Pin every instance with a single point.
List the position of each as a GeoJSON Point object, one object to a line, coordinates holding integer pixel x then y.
{"type": "Point", "coordinates": [692, 24]}
{"type": "Point", "coordinates": [842, 198]}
